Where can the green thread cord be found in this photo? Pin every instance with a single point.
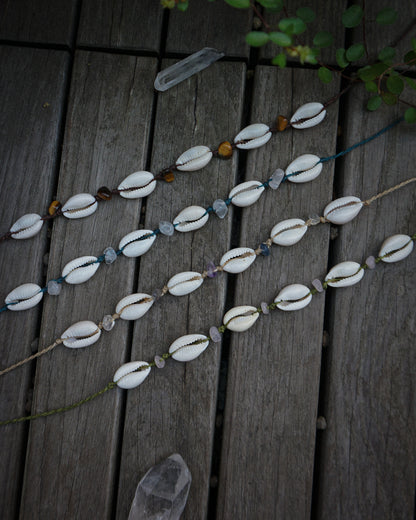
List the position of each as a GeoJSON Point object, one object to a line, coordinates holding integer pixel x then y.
{"type": "Point", "coordinates": [110, 386]}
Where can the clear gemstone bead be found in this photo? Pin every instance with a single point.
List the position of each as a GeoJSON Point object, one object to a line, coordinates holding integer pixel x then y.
{"type": "Point", "coordinates": [211, 270]}
{"type": "Point", "coordinates": [371, 262]}
{"type": "Point", "coordinates": [314, 219]}
{"type": "Point", "coordinates": [214, 334]}
{"type": "Point", "coordinates": [157, 294]}
{"type": "Point", "coordinates": [110, 255]}
{"type": "Point", "coordinates": [276, 179]}
{"type": "Point", "coordinates": [159, 362]}
{"type": "Point", "coordinates": [166, 228]}
{"type": "Point", "coordinates": [265, 308]}
{"type": "Point", "coordinates": [54, 288]}
{"type": "Point", "coordinates": [318, 285]}
{"type": "Point", "coordinates": [108, 322]}
{"type": "Point", "coordinates": [220, 208]}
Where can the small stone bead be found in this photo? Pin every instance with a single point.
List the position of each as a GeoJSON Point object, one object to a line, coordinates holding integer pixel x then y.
{"type": "Point", "coordinates": [265, 308]}
{"type": "Point", "coordinates": [225, 150]}
{"type": "Point", "coordinates": [314, 220]}
{"type": "Point", "coordinates": [159, 362]}
{"type": "Point", "coordinates": [53, 208]}
{"type": "Point", "coordinates": [318, 285]}
{"type": "Point", "coordinates": [157, 294]}
{"type": "Point", "coordinates": [54, 288]}
{"type": "Point", "coordinates": [371, 262]}
{"type": "Point", "coordinates": [108, 322]}
{"type": "Point", "coordinates": [276, 178]}
{"type": "Point", "coordinates": [220, 208]}
{"type": "Point", "coordinates": [104, 193]}
{"type": "Point", "coordinates": [214, 334]}
{"type": "Point", "coordinates": [211, 270]}
{"type": "Point", "coordinates": [265, 249]}
{"type": "Point", "coordinates": [166, 228]}
{"type": "Point", "coordinates": [169, 177]}
{"type": "Point", "coordinates": [282, 123]}
{"type": "Point", "coordinates": [110, 255]}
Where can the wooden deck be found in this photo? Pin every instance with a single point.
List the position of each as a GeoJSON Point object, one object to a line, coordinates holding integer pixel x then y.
{"type": "Point", "coordinates": [78, 111]}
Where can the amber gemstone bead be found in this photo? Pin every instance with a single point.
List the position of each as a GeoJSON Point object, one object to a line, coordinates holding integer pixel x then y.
{"type": "Point", "coordinates": [169, 177]}
{"type": "Point", "coordinates": [53, 208]}
{"type": "Point", "coordinates": [225, 150]}
{"type": "Point", "coordinates": [104, 193]}
{"type": "Point", "coordinates": [282, 123]}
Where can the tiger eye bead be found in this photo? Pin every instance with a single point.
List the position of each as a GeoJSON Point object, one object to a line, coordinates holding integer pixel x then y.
{"type": "Point", "coordinates": [169, 177]}
{"type": "Point", "coordinates": [104, 193]}
{"type": "Point", "coordinates": [53, 208]}
{"type": "Point", "coordinates": [282, 123]}
{"type": "Point", "coordinates": [225, 150]}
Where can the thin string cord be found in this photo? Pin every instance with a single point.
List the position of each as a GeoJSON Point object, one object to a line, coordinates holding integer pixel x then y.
{"type": "Point", "coordinates": [30, 358]}
{"type": "Point", "coordinates": [390, 190]}
{"type": "Point", "coordinates": [110, 386]}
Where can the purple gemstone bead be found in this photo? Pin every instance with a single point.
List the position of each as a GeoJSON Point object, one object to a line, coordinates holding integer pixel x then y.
{"type": "Point", "coordinates": [318, 285]}
{"type": "Point", "coordinates": [265, 308]}
{"type": "Point", "coordinates": [211, 270]}
{"type": "Point", "coordinates": [159, 362]}
{"type": "Point", "coordinates": [371, 262]}
{"type": "Point", "coordinates": [214, 334]}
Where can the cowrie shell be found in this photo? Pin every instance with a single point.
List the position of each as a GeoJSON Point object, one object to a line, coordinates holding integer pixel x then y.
{"type": "Point", "coordinates": [184, 283]}
{"type": "Point", "coordinates": [191, 218]}
{"type": "Point", "coordinates": [26, 226]}
{"type": "Point", "coordinates": [246, 193]}
{"type": "Point", "coordinates": [293, 297]}
{"type": "Point", "coordinates": [239, 319]}
{"type": "Point", "coordinates": [79, 206]}
{"type": "Point", "coordinates": [309, 167]}
{"type": "Point", "coordinates": [343, 210]}
{"type": "Point", "coordinates": [252, 136]}
{"type": "Point", "coordinates": [396, 248]}
{"type": "Point", "coordinates": [308, 115]}
{"type": "Point", "coordinates": [137, 185]}
{"type": "Point", "coordinates": [344, 274]}
{"type": "Point", "coordinates": [81, 334]}
{"type": "Point", "coordinates": [137, 242]}
{"type": "Point", "coordinates": [194, 159]}
{"type": "Point", "coordinates": [134, 306]}
{"type": "Point", "coordinates": [27, 295]}
{"type": "Point", "coordinates": [80, 270]}
{"type": "Point", "coordinates": [187, 348]}
{"type": "Point", "coordinates": [237, 260]}
{"type": "Point", "coordinates": [288, 232]}
{"type": "Point", "coordinates": [129, 376]}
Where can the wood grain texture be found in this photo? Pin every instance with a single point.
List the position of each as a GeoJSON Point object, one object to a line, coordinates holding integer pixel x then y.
{"type": "Point", "coordinates": [29, 133]}
{"type": "Point", "coordinates": [121, 25]}
{"type": "Point", "coordinates": [209, 24]}
{"type": "Point", "coordinates": [174, 410]}
{"type": "Point", "coordinates": [71, 458]}
{"type": "Point", "coordinates": [368, 453]}
{"type": "Point", "coordinates": [43, 21]}
{"type": "Point", "coordinates": [273, 377]}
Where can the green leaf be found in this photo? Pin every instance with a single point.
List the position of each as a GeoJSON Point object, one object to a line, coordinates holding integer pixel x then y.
{"type": "Point", "coordinates": [410, 57]}
{"type": "Point", "coordinates": [389, 98]}
{"type": "Point", "coordinates": [395, 84]}
{"type": "Point", "coordinates": [183, 5]}
{"type": "Point", "coordinates": [323, 39]}
{"type": "Point", "coordinates": [341, 58]}
{"type": "Point", "coordinates": [414, 44]}
{"type": "Point", "coordinates": [306, 14]}
{"type": "Point", "coordinates": [387, 54]}
{"type": "Point", "coordinates": [367, 73]}
{"type": "Point", "coordinates": [257, 38]}
{"type": "Point", "coordinates": [410, 115]}
{"type": "Point", "coordinates": [281, 39]}
{"type": "Point", "coordinates": [272, 5]}
{"type": "Point", "coordinates": [411, 82]}
{"type": "Point", "coordinates": [371, 86]}
{"type": "Point", "coordinates": [373, 103]}
{"type": "Point", "coordinates": [352, 16]}
{"type": "Point", "coordinates": [386, 16]}
{"type": "Point", "coordinates": [292, 25]}
{"type": "Point", "coordinates": [355, 52]}
{"type": "Point", "coordinates": [280, 60]}
{"type": "Point", "coordinates": [325, 75]}
{"type": "Point", "coordinates": [239, 4]}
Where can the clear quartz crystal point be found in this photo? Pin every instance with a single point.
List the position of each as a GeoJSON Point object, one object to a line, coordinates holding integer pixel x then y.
{"type": "Point", "coordinates": [163, 491]}
{"type": "Point", "coordinates": [185, 68]}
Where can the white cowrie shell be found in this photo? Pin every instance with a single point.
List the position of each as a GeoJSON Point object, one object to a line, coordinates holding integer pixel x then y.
{"type": "Point", "coordinates": [137, 243]}
{"type": "Point", "coordinates": [252, 136]}
{"type": "Point", "coordinates": [308, 115]}
{"type": "Point", "coordinates": [288, 232]}
{"type": "Point", "coordinates": [27, 295]}
{"type": "Point", "coordinates": [246, 193]}
{"type": "Point", "coordinates": [187, 348]}
{"type": "Point", "coordinates": [129, 376]}
{"type": "Point", "coordinates": [309, 167]}
{"type": "Point", "coordinates": [343, 210]}
{"type": "Point", "coordinates": [396, 248]}
{"type": "Point", "coordinates": [293, 297]}
{"type": "Point", "coordinates": [81, 334]}
{"type": "Point", "coordinates": [344, 274]}
{"type": "Point", "coordinates": [26, 226]}
{"type": "Point", "coordinates": [241, 318]}
{"type": "Point", "coordinates": [80, 270]}
{"type": "Point", "coordinates": [237, 260]}
{"type": "Point", "coordinates": [194, 159]}
{"type": "Point", "coordinates": [191, 218]}
{"type": "Point", "coordinates": [137, 185]}
{"type": "Point", "coordinates": [184, 283]}
{"type": "Point", "coordinates": [134, 306]}
{"type": "Point", "coordinates": [79, 206]}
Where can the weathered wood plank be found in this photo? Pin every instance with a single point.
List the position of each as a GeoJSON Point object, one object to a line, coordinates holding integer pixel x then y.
{"type": "Point", "coordinates": [43, 21]}
{"type": "Point", "coordinates": [174, 410]}
{"type": "Point", "coordinates": [29, 132]}
{"type": "Point", "coordinates": [121, 25]}
{"type": "Point", "coordinates": [209, 24]}
{"type": "Point", "coordinates": [368, 449]}
{"type": "Point", "coordinates": [71, 458]}
{"type": "Point", "coordinates": [273, 375]}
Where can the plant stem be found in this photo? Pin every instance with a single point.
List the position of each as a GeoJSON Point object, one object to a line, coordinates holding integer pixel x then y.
{"type": "Point", "coordinates": [364, 36]}
{"type": "Point", "coordinates": [260, 16]}
{"type": "Point", "coordinates": [387, 70]}
{"type": "Point", "coordinates": [406, 103]}
{"type": "Point", "coordinates": [404, 33]}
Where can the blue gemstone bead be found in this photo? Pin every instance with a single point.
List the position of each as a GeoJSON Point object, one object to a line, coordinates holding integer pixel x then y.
{"type": "Point", "coordinates": [265, 249]}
